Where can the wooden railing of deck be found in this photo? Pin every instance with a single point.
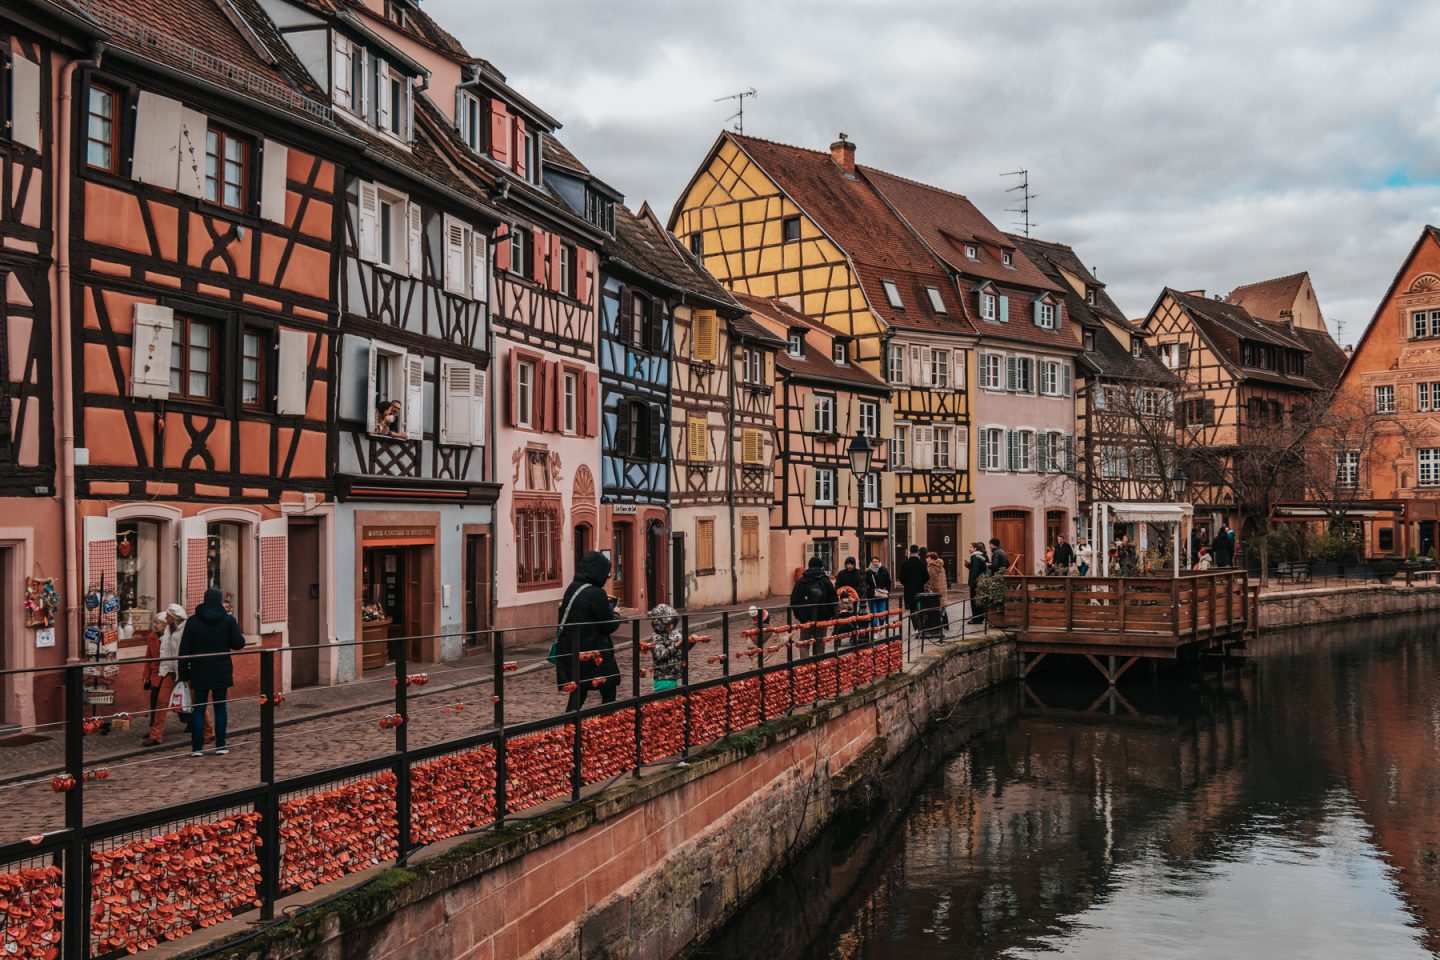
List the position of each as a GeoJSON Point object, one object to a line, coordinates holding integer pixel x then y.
{"type": "Point", "coordinates": [1148, 611]}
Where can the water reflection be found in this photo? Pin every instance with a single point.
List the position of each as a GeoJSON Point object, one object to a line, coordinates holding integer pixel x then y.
{"type": "Point", "coordinates": [1290, 809]}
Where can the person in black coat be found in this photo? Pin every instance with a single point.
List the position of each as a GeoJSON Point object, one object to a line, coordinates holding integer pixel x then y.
{"type": "Point", "coordinates": [976, 567]}
{"type": "Point", "coordinates": [812, 600]}
{"type": "Point", "coordinates": [1063, 557]}
{"type": "Point", "coordinates": [851, 577]}
{"type": "Point", "coordinates": [913, 576]}
{"type": "Point", "coordinates": [213, 631]}
{"type": "Point", "coordinates": [587, 619]}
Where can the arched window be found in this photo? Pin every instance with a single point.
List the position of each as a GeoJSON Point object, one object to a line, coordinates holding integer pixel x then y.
{"type": "Point", "coordinates": [225, 561]}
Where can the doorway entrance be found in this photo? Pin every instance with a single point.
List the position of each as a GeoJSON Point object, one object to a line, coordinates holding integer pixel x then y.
{"type": "Point", "coordinates": [1012, 529]}
{"type": "Point", "coordinates": [677, 571]}
{"type": "Point", "coordinates": [303, 561]}
{"type": "Point", "coordinates": [620, 564]}
{"type": "Point", "coordinates": [902, 539]}
{"type": "Point", "coordinates": [477, 590]}
{"type": "Point", "coordinates": [399, 601]}
{"type": "Point", "coordinates": [654, 561]}
{"type": "Point", "coordinates": [582, 542]}
{"type": "Point", "coordinates": [942, 535]}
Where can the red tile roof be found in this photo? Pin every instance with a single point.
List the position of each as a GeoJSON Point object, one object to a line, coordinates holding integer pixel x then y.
{"type": "Point", "coordinates": [856, 217]}
{"type": "Point", "coordinates": [816, 363]}
{"type": "Point", "coordinates": [1268, 298]}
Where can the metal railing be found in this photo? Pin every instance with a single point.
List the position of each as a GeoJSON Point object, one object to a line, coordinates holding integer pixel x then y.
{"type": "Point", "coordinates": [126, 883]}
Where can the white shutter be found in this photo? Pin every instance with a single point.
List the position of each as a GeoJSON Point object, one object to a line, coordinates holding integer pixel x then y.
{"type": "Point", "coordinates": [382, 96]}
{"type": "Point", "coordinates": [368, 226]}
{"type": "Point", "coordinates": [479, 425]}
{"type": "Point", "coordinates": [414, 396]}
{"type": "Point", "coordinates": [191, 176]}
{"type": "Point", "coordinates": [372, 399]}
{"type": "Point", "coordinates": [274, 172]}
{"type": "Point", "coordinates": [961, 454]}
{"type": "Point", "coordinates": [922, 454]}
{"type": "Point", "coordinates": [456, 268]}
{"type": "Point", "coordinates": [957, 370]}
{"type": "Point", "coordinates": [341, 63]}
{"type": "Point", "coordinates": [291, 372]}
{"type": "Point", "coordinates": [274, 575]}
{"type": "Point", "coordinates": [919, 374]}
{"type": "Point", "coordinates": [157, 140]}
{"type": "Point", "coordinates": [415, 223]}
{"type": "Point", "coordinates": [479, 267]}
{"type": "Point", "coordinates": [193, 566]}
{"type": "Point", "coordinates": [152, 328]}
{"type": "Point", "coordinates": [457, 410]}
{"type": "Point", "coordinates": [25, 102]}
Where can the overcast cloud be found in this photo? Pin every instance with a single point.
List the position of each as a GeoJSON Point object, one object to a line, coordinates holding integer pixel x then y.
{"type": "Point", "coordinates": [1194, 144]}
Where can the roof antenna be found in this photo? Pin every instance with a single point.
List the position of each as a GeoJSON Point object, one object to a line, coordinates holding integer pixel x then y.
{"type": "Point", "coordinates": [1025, 197]}
{"type": "Point", "coordinates": [739, 115]}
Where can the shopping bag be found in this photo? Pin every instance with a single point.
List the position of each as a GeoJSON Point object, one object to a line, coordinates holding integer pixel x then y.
{"type": "Point", "coordinates": [181, 702]}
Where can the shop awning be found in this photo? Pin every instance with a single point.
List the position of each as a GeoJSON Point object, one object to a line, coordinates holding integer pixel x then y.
{"type": "Point", "coordinates": [1149, 512]}
{"type": "Point", "coordinates": [1359, 511]}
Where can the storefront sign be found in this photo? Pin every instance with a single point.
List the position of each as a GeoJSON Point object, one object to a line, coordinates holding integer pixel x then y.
{"type": "Point", "coordinates": [397, 536]}
{"type": "Point", "coordinates": [624, 509]}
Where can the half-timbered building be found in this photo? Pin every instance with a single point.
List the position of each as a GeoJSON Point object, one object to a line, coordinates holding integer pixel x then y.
{"type": "Point", "coordinates": [811, 229]}
{"type": "Point", "coordinates": [822, 400]}
{"type": "Point", "coordinates": [1125, 432]}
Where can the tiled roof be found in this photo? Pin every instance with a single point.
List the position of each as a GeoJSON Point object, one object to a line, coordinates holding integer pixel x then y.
{"type": "Point", "coordinates": [1326, 361]}
{"type": "Point", "coordinates": [748, 327]}
{"type": "Point", "coordinates": [815, 364]}
{"type": "Point", "coordinates": [1268, 298]}
{"type": "Point", "coordinates": [1050, 258]}
{"type": "Point", "coordinates": [1226, 324]}
{"type": "Point", "coordinates": [857, 218]}
{"type": "Point", "coordinates": [553, 151]}
{"type": "Point", "coordinates": [642, 244]}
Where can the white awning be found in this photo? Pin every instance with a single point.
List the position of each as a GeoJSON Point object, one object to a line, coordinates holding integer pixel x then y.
{"type": "Point", "coordinates": [1149, 512]}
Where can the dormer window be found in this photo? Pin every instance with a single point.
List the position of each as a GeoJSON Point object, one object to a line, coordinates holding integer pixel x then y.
{"type": "Point", "coordinates": [1089, 340]}
{"type": "Point", "coordinates": [1135, 349]}
{"type": "Point", "coordinates": [1047, 315]}
{"type": "Point", "coordinates": [797, 342]}
{"type": "Point", "coordinates": [525, 147]}
{"type": "Point", "coordinates": [840, 352]}
{"type": "Point", "coordinates": [937, 303]}
{"type": "Point", "coordinates": [987, 305]}
{"type": "Point", "coordinates": [368, 87]}
{"type": "Point", "coordinates": [1007, 258]}
{"type": "Point", "coordinates": [972, 252]}
{"type": "Point", "coordinates": [600, 210]}
{"type": "Point", "coordinates": [472, 121]}
{"type": "Point", "coordinates": [892, 294]}
{"type": "Point", "coordinates": [1092, 296]}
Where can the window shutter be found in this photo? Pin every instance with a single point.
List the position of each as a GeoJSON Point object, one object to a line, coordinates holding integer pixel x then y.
{"type": "Point", "coordinates": [809, 415]}
{"type": "Point", "coordinates": [274, 575]}
{"type": "Point", "coordinates": [1069, 452]}
{"type": "Point", "coordinates": [502, 247]}
{"type": "Point", "coordinates": [957, 370]}
{"type": "Point", "coordinates": [887, 490]}
{"type": "Point", "coordinates": [415, 245]}
{"type": "Point", "coordinates": [750, 446]}
{"type": "Point", "coordinates": [153, 326]}
{"type": "Point", "coordinates": [414, 396]}
{"type": "Point", "coordinates": [699, 440]}
{"type": "Point", "coordinates": [923, 456]}
{"type": "Point", "coordinates": [456, 267]}
{"type": "Point", "coordinates": [368, 226]}
{"type": "Point", "coordinates": [1184, 350]}
{"type": "Point", "coordinates": [519, 163]}
{"type": "Point", "coordinates": [887, 420]}
{"type": "Point", "coordinates": [807, 485]}
{"type": "Point", "coordinates": [591, 415]}
{"type": "Point", "coordinates": [193, 554]}
{"type": "Point", "coordinates": [555, 262]}
{"type": "Point", "coordinates": [1004, 309]}
{"type": "Point", "coordinates": [1035, 308]}
{"type": "Point", "coordinates": [621, 445]}
{"type": "Point", "coordinates": [341, 63]}
{"type": "Point", "coordinates": [99, 553]}
{"type": "Point", "coordinates": [927, 368]}
{"type": "Point", "coordinates": [382, 95]}
{"type": "Point", "coordinates": [457, 407]}
{"type": "Point", "coordinates": [657, 432]}
{"type": "Point", "coordinates": [707, 335]}
{"type": "Point", "coordinates": [512, 393]}
{"type": "Point", "coordinates": [371, 389]}
{"type": "Point", "coordinates": [191, 177]}
{"type": "Point", "coordinates": [25, 101]}
{"type": "Point", "coordinates": [291, 372]}
{"type": "Point", "coordinates": [537, 256]}
{"type": "Point", "coordinates": [1067, 378]}
{"type": "Point", "coordinates": [961, 458]}
{"type": "Point", "coordinates": [584, 263]}
{"type": "Point", "coordinates": [1042, 452]}
{"type": "Point", "coordinates": [156, 157]}
{"type": "Point", "coordinates": [544, 400]}
{"type": "Point", "coordinates": [657, 327]}
{"type": "Point", "coordinates": [274, 173]}
{"type": "Point", "coordinates": [500, 132]}
{"type": "Point", "coordinates": [1012, 460]}
{"type": "Point", "coordinates": [625, 322]}
{"type": "Point", "coordinates": [1012, 376]}
{"type": "Point", "coordinates": [479, 267]}
{"type": "Point", "coordinates": [919, 375]}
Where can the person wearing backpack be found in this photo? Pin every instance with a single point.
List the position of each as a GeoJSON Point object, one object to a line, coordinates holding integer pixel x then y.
{"type": "Point", "coordinates": [813, 600]}
{"type": "Point", "coordinates": [587, 619]}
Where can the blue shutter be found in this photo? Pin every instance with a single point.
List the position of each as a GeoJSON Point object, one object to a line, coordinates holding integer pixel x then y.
{"type": "Point", "coordinates": [1004, 309]}
{"type": "Point", "coordinates": [1035, 309]}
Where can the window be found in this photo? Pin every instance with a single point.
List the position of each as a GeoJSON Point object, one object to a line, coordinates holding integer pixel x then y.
{"type": "Point", "coordinates": [824, 487]}
{"type": "Point", "coordinates": [392, 251]}
{"type": "Point", "coordinates": [940, 369]}
{"type": "Point", "coordinates": [840, 352]}
{"type": "Point", "coordinates": [1045, 315]}
{"type": "Point", "coordinates": [987, 306]}
{"type": "Point", "coordinates": [900, 447]}
{"type": "Point", "coordinates": [1114, 465]}
{"type": "Point", "coordinates": [227, 166]}
{"type": "Point", "coordinates": [252, 368]}
{"type": "Point", "coordinates": [972, 252]}
{"type": "Point", "coordinates": [697, 245]}
{"type": "Point", "coordinates": [600, 210]}
{"type": "Point", "coordinates": [1196, 413]}
{"type": "Point", "coordinates": [1150, 403]}
{"type": "Point", "coordinates": [1385, 399]}
{"type": "Point", "coordinates": [1425, 323]}
{"type": "Point", "coordinates": [192, 367]}
{"type": "Point", "coordinates": [992, 449]}
{"type": "Point", "coordinates": [992, 371]}
{"type": "Point", "coordinates": [749, 538]}
{"type": "Point", "coordinates": [1050, 378]}
{"type": "Point", "coordinates": [1020, 374]}
{"type": "Point", "coordinates": [825, 550]}
{"type": "Point", "coordinates": [892, 294]}
{"type": "Point", "coordinates": [537, 544]}
{"type": "Point", "coordinates": [937, 303]}
{"type": "Point", "coordinates": [1429, 461]}
{"type": "Point", "coordinates": [870, 418]}
{"type": "Point", "coordinates": [824, 414]}
{"type": "Point", "coordinates": [942, 448]}
{"type": "Point", "coordinates": [698, 440]}
{"type": "Point", "coordinates": [1092, 296]}
{"type": "Point", "coordinates": [526, 150]}
{"type": "Point", "coordinates": [390, 100]}
{"type": "Point", "coordinates": [1089, 340]}
{"type": "Point", "coordinates": [1427, 396]}
{"type": "Point", "coordinates": [522, 251]}
{"type": "Point", "coordinates": [1347, 468]}
{"type": "Point", "coordinates": [138, 555]}
{"type": "Point", "coordinates": [797, 343]}
{"type": "Point", "coordinates": [1022, 451]}
{"type": "Point", "coordinates": [473, 121]}
{"type": "Point", "coordinates": [1053, 457]}
{"type": "Point", "coordinates": [223, 561]}
{"type": "Point", "coordinates": [791, 226]}
{"type": "Point", "coordinates": [895, 363]}
{"type": "Point", "coordinates": [1135, 349]}
{"type": "Point", "coordinates": [704, 546]}
{"type": "Point", "coordinates": [870, 491]}
{"type": "Point", "coordinates": [570, 401]}
{"type": "Point", "coordinates": [752, 367]}
{"type": "Point", "coordinates": [101, 129]}
{"type": "Point", "coordinates": [525, 394]}
{"type": "Point", "coordinates": [1175, 355]}
{"type": "Point", "coordinates": [1387, 539]}
{"type": "Point", "coordinates": [567, 270]}
{"type": "Point", "coordinates": [1007, 258]}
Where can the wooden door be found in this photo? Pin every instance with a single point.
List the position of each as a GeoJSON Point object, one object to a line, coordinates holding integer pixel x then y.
{"type": "Point", "coordinates": [414, 580]}
{"type": "Point", "coordinates": [942, 535]}
{"type": "Point", "coordinates": [620, 577]}
{"type": "Point", "coordinates": [477, 590]}
{"type": "Point", "coordinates": [1012, 529]}
{"type": "Point", "coordinates": [304, 597]}
{"type": "Point", "coordinates": [902, 540]}
{"type": "Point", "coordinates": [10, 593]}
{"type": "Point", "coordinates": [654, 558]}
{"type": "Point", "coordinates": [677, 570]}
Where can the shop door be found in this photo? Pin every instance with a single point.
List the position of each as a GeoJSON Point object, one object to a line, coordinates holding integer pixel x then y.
{"type": "Point", "coordinates": [415, 605]}
{"type": "Point", "coordinates": [654, 557]}
{"type": "Point", "coordinates": [620, 564]}
{"type": "Point", "coordinates": [9, 617]}
{"type": "Point", "coordinates": [942, 535]}
{"type": "Point", "coordinates": [1012, 529]}
{"type": "Point", "coordinates": [477, 590]}
{"type": "Point", "coordinates": [304, 598]}
{"type": "Point", "coordinates": [677, 570]}
{"type": "Point", "coordinates": [902, 539]}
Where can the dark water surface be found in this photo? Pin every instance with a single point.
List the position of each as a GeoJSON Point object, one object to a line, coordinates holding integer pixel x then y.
{"type": "Point", "coordinates": [1290, 808]}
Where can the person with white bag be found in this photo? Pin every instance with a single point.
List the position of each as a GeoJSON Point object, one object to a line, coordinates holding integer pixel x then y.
{"type": "Point", "coordinates": [173, 693]}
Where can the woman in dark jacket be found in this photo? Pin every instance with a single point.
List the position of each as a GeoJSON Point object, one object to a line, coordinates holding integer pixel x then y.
{"type": "Point", "coordinates": [214, 632]}
{"type": "Point", "coordinates": [976, 567]}
{"type": "Point", "coordinates": [587, 619]}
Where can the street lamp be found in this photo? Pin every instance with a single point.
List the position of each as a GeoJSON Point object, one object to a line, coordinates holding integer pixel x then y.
{"type": "Point", "coordinates": [861, 453]}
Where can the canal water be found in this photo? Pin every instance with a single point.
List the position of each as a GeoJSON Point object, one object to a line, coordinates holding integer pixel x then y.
{"type": "Point", "coordinates": [1287, 808]}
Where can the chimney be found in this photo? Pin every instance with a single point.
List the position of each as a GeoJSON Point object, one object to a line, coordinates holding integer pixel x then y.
{"type": "Point", "coordinates": [842, 151]}
{"type": "Point", "coordinates": [1195, 293]}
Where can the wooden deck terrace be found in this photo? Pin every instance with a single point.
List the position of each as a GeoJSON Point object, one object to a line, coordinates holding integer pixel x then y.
{"type": "Point", "coordinates": [1115, 622]}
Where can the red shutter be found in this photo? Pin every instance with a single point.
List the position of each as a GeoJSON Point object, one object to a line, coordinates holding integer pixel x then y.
{"type": "Point", "coordinates": [582, 275]}
{"type": "Point", "coordinates": [543, 401]}
{"type": "Point", "coordinates": [539, 249]}
{"type": "Point", "coordinates": [512, 393]}
{"type": "Point", "coordinates": [500, 132]}
{"type": "Point", "coordinates": [592, 403]}
{"type": "Point", "coordinates": [502, 247]}
{"type": "Point", "coordinates": [554, 261]}
{"type": "Point", "coordinates": [557, 396]}
{"type": "Point", "coordinates": [520, 146]}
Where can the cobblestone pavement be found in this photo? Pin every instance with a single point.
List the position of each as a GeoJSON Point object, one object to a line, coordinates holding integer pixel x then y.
{"type": "Point", "coordinates": [342, 727]}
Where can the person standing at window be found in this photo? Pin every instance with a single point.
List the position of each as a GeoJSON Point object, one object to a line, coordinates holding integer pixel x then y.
{"type": "Point", "coordinates": [387, 419]}
{"type": "Point", "coordinates": [209, 637]}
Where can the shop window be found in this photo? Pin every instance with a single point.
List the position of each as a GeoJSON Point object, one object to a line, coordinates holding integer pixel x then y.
{"type": "Point", "coordinates": [137, 570]}
{"type": "Point", "coordinates": [537, 545]}
{"type": "Point", "coordinates": [224, 561]}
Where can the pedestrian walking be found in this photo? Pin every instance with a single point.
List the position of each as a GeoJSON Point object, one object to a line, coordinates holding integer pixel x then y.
{"type": "Point", "coordinates": [999, 559]}
{"type": "Point", "coordinates": [205, 664]}
{"type": "Point", "coordinates": [877, 590]}
{"type": "Point", "coordinates": [976, 567]}
{"type": "Point", "coordinates": [1084, 557]}
{"type": "Point", "coordinates": [164, 674]}
{"type": "Point", "coordinates": [813, 601]}
{"type": "Point", "coordinates": [1064, 556]}
{"type": "Point", "coordinates": [849, 576]}
{"type": "Point", "coordinates": [584, 651]}
{"type": "Point", "coordinates": [666, 647]}
{"type": "Point", "coordinates": [848, 606]}
{"type": "Point", "coordinates": [1223, 549]}
{"type": "Point", "coordinates": [938, 583]}
{"type": "Point", "coordinates": [913, 575]}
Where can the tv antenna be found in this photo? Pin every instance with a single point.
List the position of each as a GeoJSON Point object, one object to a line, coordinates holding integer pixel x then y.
{"type": "Point", "coordinates": [1025, 197]}
{"type": "Point", "coordinates": [739, 115]}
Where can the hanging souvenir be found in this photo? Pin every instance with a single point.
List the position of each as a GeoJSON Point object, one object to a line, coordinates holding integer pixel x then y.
{"type": "Point", "coordinates": [93, 635]}
{"type": "Point", "coordinates": [92, 599]}
{"type": "Point", "coordinates": [125, 545]}
{"type": "Point", "coordinates": [112, 603]}
{"type": "Point", "coordinates": [42, 600]}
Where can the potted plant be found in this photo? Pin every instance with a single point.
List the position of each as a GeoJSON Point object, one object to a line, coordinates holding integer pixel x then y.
{"type": "Point", "coordinates": [1385, 571]}
{"type": "Point", "coordinates": [990, 594]}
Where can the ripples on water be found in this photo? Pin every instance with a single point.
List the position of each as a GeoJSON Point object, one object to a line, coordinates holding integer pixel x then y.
{"type": "Point", "coordinates": [1291, 809]}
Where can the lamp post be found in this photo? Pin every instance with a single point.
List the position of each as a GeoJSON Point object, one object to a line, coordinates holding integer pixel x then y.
{"type": "Point", "coordinates": [861, 454]}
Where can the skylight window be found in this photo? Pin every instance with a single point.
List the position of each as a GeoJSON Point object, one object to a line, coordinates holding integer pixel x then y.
{"type": "Point", "coordinates": [936, 301]}
{"type": "Point", "coordinates": [1007, 258]}
{"type": "Point", "coordinates": [892, 294]}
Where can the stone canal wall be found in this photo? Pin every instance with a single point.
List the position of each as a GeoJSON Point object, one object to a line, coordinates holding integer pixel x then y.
{"type": "Point", "coordinates": [648, 868]}
{"type": "Point", "coordinates": [1361, 601]}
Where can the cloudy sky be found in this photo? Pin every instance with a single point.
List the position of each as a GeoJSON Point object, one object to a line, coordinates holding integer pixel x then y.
{"type": "Point", "coordinates": [1194, 144]}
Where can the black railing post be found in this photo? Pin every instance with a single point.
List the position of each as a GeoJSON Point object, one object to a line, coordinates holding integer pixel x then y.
{"type": "Point", "coordinates": [790, 670]}
{"type": "Point", "coordinates": [497, 643]}
{"type": "Point", "coordinates": [402, 755]}
{"type": "Point", "coordinates": [270, 805]}
{"type": "Point", "coordinates": [760, 665]}
{"type": "Point", "coordinates": [725, 662]}
{"type": "Point", "coordinates": [76, 925]}
{"type": "Point", "coordinates": [575, 717]}
{"type": "Point", "coordinates": [635, 691]}
{"type": "Point", "coordinates": [685, 678]}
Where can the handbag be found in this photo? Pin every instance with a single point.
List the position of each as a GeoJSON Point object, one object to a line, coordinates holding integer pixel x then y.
{"type": "Point", "coordinates": [565, 615]}
{"type": "Point", "coordinates": [181, 701]}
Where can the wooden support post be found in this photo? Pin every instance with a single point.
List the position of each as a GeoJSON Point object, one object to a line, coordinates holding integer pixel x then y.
{"type": "Point", "coordinates": [1175, 607]}
{"type": "Point", "coordinates": [1229, 600]}
{"type": "Point", "coordinates": [1120, 601]}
